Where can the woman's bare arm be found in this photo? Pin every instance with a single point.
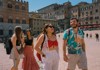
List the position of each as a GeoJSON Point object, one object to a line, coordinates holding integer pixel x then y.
{"type": "Point", "coordinates": [13, 40]}
{"type": "Point", "coordinates": [38, 44]}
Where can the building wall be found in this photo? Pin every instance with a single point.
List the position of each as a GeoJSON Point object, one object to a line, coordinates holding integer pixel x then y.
{"type": "Point", "coordinates": [95, 1]}
{"type": "Point", "coordinates": [13, 13]}
{"type": "Point", "coordinates": [8, 29]}
{"type": "Point", "coordinates": [59, 12]}
{"type": "Point", "coordinates": [37, 24]}
{"type": "Point", "coordinates": [55, 11]}
{"type": "Point", "coordinates": [48, 8]}
{"type": "Point", "coordinates": [87, 14]}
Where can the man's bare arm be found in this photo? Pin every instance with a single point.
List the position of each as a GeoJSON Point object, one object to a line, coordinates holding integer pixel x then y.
{"type": "Point", "coordinates": [83, 45]}
{"type": "Point", "coordinates": [64, 46]}
{"type": "Point", "coordinates": [64, 50]}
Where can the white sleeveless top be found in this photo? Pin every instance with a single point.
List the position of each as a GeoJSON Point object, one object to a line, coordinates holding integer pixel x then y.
{"type": "Point", "coordinates": [45, 45]}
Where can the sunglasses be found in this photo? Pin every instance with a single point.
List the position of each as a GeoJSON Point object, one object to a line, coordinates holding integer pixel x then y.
{"type": "Point", "coordinates": [51, 26]}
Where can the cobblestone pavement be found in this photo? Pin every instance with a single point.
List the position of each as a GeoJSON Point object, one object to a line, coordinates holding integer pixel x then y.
{"type": "Point", "coordinates": [92, 51]}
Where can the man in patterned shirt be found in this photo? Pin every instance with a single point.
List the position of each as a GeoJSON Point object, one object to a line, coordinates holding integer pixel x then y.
{"type": "Point", "coordinates": [73, 38]}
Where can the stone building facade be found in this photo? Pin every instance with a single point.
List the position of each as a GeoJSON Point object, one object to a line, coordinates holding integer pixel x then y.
{"type": "Point", "coordinates": [37, 23]}
{"type": "Point", "coordinates": [13, 13]}
{"type": "Point", "coordinates": [88, 14]}
{"type": "Point", "coordinates": [59, 12]}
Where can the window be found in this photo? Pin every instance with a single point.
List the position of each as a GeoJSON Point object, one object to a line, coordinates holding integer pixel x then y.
{"type": "Point", "coordinates": [1, 19]}
{"type": "Point", "coordinates": [10, 32]}
{"type": "Point", "coordinates": [10, 21]}
{"type": "Point", "coordinates": [37, 23]}
{"type": "Point", "coordinates": [1, 32]}
{"type": "Point", "coordinates": [96, 10]}
{"type": "Point", "coordinates": [23, 21]}
{"type": "Point", "coordinates": [90, 12]}
{"type": "Point", "coordinates": [91, 22]}
{"type": "Point", "coordinates": [82, 13]}
{"type": "Point", "coordinates": [1, 3]}
{"type": "Point", "coordinates": [16, 7]}
{"type": "Point", "coordinates": [82, 9]}
{"type": "Point", "coordinates": [87, 13]}
{"type": "Point", "coordinates": [96, 22]}
{"type": "Point", "coordinates": [9, 5]}
{"type": "Point", "coordinates": [23, 7]}
{"type": "Point", "coordinates": [17, 21]}
{"type": "Point", "coordinates": [96, 4]}
{"type": "Point", "coordinates": [91, 7]}
{"type": "Point", "coordinates": [86, 22]}
{"type": "Point", "coordinates": [97, 17]}
{"type": "Point", "coordinates": [86, 19]}
{"type": "Point", "coordinates": [34, 23]}
{"type": "Point", "coordinates": [91, 18]}
{"type": "Point", "coordinates": [86, 8]}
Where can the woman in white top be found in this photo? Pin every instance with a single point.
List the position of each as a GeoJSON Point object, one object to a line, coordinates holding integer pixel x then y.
{"type": "Point", "coordinates": [49, 52]}
{"type": "Point", "coordinates": [17, 42]}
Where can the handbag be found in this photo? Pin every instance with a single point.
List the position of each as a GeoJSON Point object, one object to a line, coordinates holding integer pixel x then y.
{"type": "Point", "coordinates": [8, 46]}
{"type": "Point", "coordinates": [39, 56]}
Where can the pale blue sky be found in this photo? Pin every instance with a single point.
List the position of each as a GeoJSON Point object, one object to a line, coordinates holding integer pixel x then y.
{"type": "Point", "coordinates": [37, 4]}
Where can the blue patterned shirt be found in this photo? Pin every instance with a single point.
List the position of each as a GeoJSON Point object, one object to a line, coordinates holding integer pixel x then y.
{"type": "Point", "coordinates": [73, 46]}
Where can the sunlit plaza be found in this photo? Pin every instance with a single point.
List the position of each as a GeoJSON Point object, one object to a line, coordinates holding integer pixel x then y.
{"type": "Point", "coordinates": [34, 14]}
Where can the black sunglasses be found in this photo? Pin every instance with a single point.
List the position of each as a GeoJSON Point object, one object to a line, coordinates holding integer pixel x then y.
{"type": "Point", "coordinates": [51, 26]}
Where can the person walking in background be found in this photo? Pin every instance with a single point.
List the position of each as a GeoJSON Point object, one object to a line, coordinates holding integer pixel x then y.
{"type": "Point", "coordinates": [90, 35]}
{"type": "Point", "coordinates": [29, 61]}
{"type": "Point", "coordinates": [87, 35]}
{"type": "Point", "coordinates": [49, 52]}
{"type": "Point", "coordinates": [97, 36]}
{"type": "Point", "coordinates": [74, 39]}
{"type": "Point", "coordinates": [17, 40]}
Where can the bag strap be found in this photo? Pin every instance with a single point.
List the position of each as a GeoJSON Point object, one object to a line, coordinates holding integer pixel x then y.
{"type": "Point", "coordinates": [68, 32]}
{"type": "Point", "coordinates": [43, 42]}
{"type": "Point", "coordinates": [82, 32]}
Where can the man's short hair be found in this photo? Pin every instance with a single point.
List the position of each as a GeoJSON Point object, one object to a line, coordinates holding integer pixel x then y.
{"type": "Point", "coordinates": [75, 19]}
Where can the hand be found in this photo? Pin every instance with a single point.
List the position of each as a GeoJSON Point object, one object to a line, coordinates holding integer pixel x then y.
{"type": "Point", "coordinates": [65, 58]}
{"type": "Point", "coordinates": [16, 54]}
{"type": "Point", "coordinates": [22, 40]}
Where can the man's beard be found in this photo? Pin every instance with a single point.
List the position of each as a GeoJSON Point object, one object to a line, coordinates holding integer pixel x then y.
{"type": "Point", "coordinates": [75, 26]}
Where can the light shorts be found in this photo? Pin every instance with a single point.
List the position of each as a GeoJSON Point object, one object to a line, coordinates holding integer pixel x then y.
{"type": "Point", "coordinates": [12, 56]}
{"type": "Point", "coordinates": [77, 59]}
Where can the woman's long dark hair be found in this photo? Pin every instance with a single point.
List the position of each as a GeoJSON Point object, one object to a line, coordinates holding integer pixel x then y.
{"type": "Point", "coordinates": [44, 30]}
{"type": "Point", "coordinates": [45, 27]}
{"type": "Point", "coordinates": [18, 31]}
{"type": "Point", "coordinates": [30, 33]}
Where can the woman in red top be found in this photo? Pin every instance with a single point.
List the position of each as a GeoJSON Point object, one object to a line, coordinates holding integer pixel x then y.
{"type": "Point", "coordinates": [49, 50]}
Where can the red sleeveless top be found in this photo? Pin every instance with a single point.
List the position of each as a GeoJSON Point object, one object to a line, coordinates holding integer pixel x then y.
{"type": "Point", "coordinates": [52, 43]}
